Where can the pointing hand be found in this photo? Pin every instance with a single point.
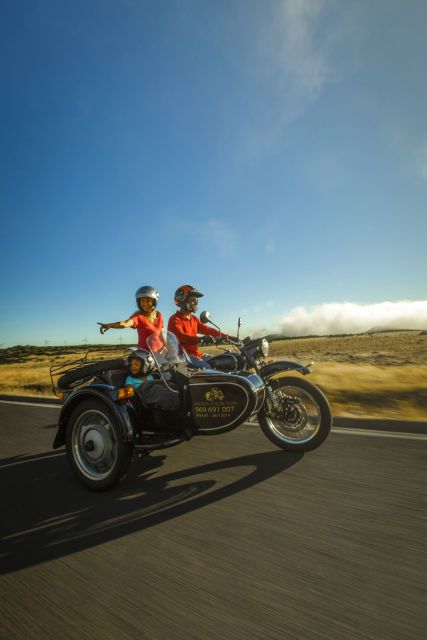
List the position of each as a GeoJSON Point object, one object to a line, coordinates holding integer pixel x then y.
{"type": "Point", "coordinates": [103, 328]}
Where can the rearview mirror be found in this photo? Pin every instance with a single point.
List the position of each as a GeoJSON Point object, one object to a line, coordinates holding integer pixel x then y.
{"type": "Point", "coordinates": [205, 317]}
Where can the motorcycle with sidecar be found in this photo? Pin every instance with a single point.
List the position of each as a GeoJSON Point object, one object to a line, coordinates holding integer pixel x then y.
{"type": "Point", "coordinates": [103, 421]}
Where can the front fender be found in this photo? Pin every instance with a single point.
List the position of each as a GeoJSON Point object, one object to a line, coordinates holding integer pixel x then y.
{"type": "Point", "coordinates": [100, 393]}
{"type": "Point", "coordinates": [273, 368]}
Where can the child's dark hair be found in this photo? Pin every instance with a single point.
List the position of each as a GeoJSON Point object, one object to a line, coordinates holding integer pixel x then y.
{"type": "Point", "coordinates": [145, 360]}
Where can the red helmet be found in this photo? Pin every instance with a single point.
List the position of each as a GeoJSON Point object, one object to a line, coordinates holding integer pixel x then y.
{"type": "Point", "coordinates": [184, 292]}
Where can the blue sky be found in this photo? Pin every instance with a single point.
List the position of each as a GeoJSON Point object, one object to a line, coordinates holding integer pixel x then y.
{"type": "Point", "coordinates": [273, 154]}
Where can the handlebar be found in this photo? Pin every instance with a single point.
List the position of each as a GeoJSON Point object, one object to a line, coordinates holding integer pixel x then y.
{"type": "Point", "coordinates": [237, 343]}
{"type": "Point", "coordinates": [219, 341]}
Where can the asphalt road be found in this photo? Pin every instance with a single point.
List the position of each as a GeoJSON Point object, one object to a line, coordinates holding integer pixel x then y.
{"type": "Point", "coordinates": [220, 538]}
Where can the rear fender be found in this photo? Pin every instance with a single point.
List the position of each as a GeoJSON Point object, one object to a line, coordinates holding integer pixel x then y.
{"type": "Point", "coordinates": [106, 395]}
{"type": "Point", "coordinates": [273, 368]}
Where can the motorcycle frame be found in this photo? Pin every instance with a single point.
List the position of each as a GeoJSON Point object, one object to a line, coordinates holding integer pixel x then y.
{"type": "Point", "coordinates": [123, 412]}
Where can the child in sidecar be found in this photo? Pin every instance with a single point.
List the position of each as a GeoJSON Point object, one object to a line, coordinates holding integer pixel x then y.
{"type": "Point", "coordinates": [139, 366]}
{"type": "Point", "coordinates": [153, 395]}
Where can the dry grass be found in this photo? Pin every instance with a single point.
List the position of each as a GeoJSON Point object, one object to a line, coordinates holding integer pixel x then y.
{"type": "Point", "coordinates": [31, 376]}
{"type": "Point", "coordinates": [367, 390]}
{"type": "Point", "coordinates": [376, 375]}
{"type": "Point", "coordinates": [393, 348]}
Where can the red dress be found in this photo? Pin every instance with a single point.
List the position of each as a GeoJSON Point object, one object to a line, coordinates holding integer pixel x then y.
{"type": "Point", "coordinates": [145, 328]}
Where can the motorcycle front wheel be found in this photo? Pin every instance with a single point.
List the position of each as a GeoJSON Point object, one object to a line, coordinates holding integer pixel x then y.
{"type": "Point", "coordinates": [98, 456]}
{"type": "Point", "coordinates": [298, 418]}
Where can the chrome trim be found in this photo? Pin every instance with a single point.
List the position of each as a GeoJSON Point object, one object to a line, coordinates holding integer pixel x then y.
{"type": "Point", "coordinates": [104, 441]}
{"type": "Point", "coordinates": [287, 439]}
{"type": "Point", "coordinates": [265, 347]}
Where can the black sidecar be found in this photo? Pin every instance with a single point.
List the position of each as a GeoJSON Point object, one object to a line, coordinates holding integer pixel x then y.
{"type": "Point", "coordinates": [102, 422]}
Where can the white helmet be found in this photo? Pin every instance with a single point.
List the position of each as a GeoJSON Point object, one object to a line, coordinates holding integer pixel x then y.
{"type": "Point", "coordinates": [147, 292]}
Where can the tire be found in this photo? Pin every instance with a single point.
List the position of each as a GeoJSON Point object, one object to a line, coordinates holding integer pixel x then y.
{"type": "Point", "coordinates": [309, 418]}
{"type": "Point", "coordinates": [98, 456]}
{"type": "Point", "coordinates": [75, 377]}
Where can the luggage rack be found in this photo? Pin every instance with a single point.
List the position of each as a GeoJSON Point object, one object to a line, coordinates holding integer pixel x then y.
{"type": "Point", "coordinates": [57, 370]}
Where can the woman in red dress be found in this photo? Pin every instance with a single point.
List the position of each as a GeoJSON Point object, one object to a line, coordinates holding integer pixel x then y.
{"type": "Point", "coordinates": [147, 321]}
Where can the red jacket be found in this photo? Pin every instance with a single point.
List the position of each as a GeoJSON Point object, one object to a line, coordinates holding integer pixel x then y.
{"type": "Point", "coordinates": [186, 329]}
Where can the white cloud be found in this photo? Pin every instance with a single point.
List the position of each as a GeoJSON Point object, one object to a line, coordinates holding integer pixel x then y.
{"type": "Point", "coordinates": [422, 161]}
{"type": "Point", "coordinates": [302, 47]}
{"type": "Point", "coordinates": [348, 317]}
{"type": "Point", "coordinates": [327, 170]}
{"type": "Point", "coordinates": [259, 308]}
{"type": "Point", "coordinates": [270, 247]}
{"type": "Point", "coordinates": [216, 232]}
{"type": "Point", "coordinates": [220, 234]}
{"type": "Point", "coordinates": [302, 59]}
{"type": "Point", "coordinates": [408, 143]}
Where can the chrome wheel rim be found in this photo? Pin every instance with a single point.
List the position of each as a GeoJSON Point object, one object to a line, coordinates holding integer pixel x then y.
{"type": "Point", "coordinates": [94, 445]}
{"type": "Point", "coordinates": [301, 418]}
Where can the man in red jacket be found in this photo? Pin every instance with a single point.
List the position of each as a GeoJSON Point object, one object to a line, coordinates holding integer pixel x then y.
{"type": "Point", "coordinates": [185, 325]}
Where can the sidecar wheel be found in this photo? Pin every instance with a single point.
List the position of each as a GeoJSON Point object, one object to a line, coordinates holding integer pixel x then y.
{"type": "Point", "coordinates": [304, 419]}
{"type": "Point", "coordinates": [95, 449]}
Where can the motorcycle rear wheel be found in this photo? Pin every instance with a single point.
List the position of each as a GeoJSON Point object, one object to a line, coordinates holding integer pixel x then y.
{"type": "Point", "coordinates": [306, 417]}
{"type": "Point", "coordinates": [98, 456]}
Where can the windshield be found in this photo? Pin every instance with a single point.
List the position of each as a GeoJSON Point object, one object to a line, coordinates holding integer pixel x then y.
{"type": "Point", "coordinates": [167, 351]}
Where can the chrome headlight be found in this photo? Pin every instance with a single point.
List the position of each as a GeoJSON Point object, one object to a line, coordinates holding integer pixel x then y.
{"type": "Point", "coordinates": [264, 347]}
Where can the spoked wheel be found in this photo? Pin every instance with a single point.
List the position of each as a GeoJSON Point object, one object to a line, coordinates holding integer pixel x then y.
{"type": "Point", "coordinates": [97, 454]}
{"type": "Point", "coordinates": [298, 418]}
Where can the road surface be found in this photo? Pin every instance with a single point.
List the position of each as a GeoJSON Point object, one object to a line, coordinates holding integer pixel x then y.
{"type": "Point", "coordinates": [220, 538]}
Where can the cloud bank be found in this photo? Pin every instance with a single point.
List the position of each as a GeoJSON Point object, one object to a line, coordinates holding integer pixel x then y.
{"type": "Point", "coordinates": [348, 317]}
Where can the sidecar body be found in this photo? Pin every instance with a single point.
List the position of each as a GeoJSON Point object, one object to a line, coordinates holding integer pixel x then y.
{"type": "Point", "coordinates": [222, 401]}
{"type": "Point", "coordinates": [213, 402]}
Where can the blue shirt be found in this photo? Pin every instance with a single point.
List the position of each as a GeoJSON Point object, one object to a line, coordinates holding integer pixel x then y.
{"type": "Point", "coordinates": [136, 382]}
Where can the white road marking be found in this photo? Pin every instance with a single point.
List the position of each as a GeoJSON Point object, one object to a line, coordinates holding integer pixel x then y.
{"type": "Point", "coordinates": [379, 434]}
{"type": "Point", "coordinates": [32, 404]}
{"type": "Point", "coordinates": [340, 430]}
{"type": "Point", "coordinates": [369, 432]}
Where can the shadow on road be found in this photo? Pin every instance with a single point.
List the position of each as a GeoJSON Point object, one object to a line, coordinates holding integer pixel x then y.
{"type": "Point", "coordinates": [46, 514]}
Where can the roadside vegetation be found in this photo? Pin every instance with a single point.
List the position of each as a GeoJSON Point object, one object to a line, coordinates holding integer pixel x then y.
{"type": "Point", "coordinates": [369, 375]}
